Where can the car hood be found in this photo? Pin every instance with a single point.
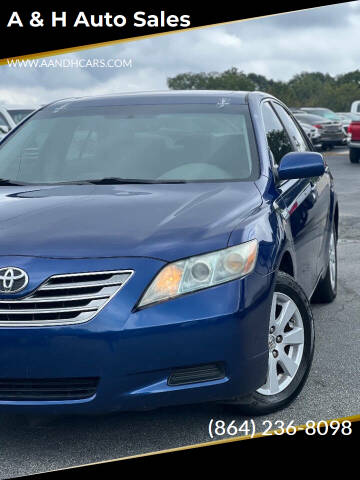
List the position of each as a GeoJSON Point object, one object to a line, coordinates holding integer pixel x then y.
{"type": "Point", "coordinates": [164, 221]}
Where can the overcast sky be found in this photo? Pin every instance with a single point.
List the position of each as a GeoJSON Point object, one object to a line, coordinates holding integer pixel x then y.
{"type": "Point", "coordinates": [324, 39]}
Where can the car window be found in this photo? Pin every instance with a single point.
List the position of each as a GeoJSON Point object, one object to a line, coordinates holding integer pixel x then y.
{"type": "Point", "coordinates": [278, 139]}
{"type": "Point", "coordinates": [294, 132]}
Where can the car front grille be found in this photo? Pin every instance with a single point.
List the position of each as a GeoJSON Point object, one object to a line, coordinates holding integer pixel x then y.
{"type": "Point", "coordinates": [45, 389]}
{"type": "Point", "coordinates": [64, 299]}
{"type": "Point", "coordinates": [333, 129]}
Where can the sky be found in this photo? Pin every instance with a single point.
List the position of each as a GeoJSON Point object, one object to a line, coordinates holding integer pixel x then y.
{"type": "Point", "coordinates": [324, 39]}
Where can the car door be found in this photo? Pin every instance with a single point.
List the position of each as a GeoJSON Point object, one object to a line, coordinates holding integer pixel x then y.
{"type": "Point", "coordinates": [298, 198]}
{"type": "Point", "coordinates": [319, 195]}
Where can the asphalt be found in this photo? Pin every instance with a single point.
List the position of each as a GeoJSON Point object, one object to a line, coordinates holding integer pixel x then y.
{"type": "Point", "coordinates": [32, 445]}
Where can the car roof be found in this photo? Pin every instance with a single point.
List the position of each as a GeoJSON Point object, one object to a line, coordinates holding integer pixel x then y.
{"type": "Point", "coordinates": [160, 97]}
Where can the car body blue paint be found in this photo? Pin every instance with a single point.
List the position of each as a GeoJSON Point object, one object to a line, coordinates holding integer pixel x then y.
{"type": "Point", "coordinates": [51, 230]}
{"type": "Point", "coordinates": [123, 220]}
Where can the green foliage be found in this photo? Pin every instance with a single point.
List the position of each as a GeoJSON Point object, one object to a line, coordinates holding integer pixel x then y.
{"type": "Point", "coordinates": [307, 89]}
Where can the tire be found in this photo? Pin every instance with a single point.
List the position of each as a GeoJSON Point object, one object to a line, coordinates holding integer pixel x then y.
{"type": "Point", "coordinates": [326, 289]}
{"type": "Point", "coordinates": [354, 155]}
{"type": "Point", "coordinates": [285, 385]}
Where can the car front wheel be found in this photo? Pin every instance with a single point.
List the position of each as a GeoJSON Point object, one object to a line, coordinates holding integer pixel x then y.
{"type": "Point", "coordinates": [291, 348]}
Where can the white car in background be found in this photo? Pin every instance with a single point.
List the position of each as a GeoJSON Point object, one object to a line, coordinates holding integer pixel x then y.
{"type": "Point", "coordinates": [311, 132]}
{"type": "Point", "coordinates": [11, 115]}
{"type": "Point", "coordinates": [355, 107]}
{"type": "Point", "coordinates": [6, 122]}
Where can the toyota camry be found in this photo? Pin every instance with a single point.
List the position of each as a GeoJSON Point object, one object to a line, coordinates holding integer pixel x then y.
{"type": "Point", "coordinates": [161, 248]}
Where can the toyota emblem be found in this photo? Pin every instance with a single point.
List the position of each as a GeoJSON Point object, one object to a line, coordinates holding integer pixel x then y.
{"type": "Point", "coordinates": [12, 280]}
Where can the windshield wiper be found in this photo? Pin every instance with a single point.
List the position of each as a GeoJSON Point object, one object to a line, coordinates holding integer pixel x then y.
{"type": "Point", "coordinates": [95, 181]}
{"type": "Point", "coordinates": [6, 182]}
{"type": "Point", "coordinates": [118, 180]}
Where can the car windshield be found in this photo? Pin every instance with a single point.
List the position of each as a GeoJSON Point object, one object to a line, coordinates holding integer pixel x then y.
{"type": "Point", "coordinates": [156, 143]}
{"type": "Point", "coordinates": [307, 118]}
{"type": "Point", "coordinates": [322, 112]}
{"type": "Point", "coordinates": [18, 115]}
{"type": "Point", "coordinates": [332, 116]}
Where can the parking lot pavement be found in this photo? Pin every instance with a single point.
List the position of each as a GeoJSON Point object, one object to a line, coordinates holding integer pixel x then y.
{"type": "Point", "coordinates": [332, 390]}
{"type": "Point", "coordinates": [338, 151]}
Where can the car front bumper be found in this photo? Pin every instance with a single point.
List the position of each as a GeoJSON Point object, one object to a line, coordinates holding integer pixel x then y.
{"type": "Point", "coordinates": [133, 352]}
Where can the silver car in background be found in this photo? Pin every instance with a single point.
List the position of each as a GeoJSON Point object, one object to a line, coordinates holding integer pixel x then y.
{"type": "Point", "coordinates": [10, 116]}
{"type": "Point", "coordinates": [312, 133]}
{"type": "Point", "coordinates": [331, 133]}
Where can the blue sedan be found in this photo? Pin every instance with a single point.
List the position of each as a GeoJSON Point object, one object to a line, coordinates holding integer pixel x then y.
{"type": "Point", "coordinates": [161, 249]}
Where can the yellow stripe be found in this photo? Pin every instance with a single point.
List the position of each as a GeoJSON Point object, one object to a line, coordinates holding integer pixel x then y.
{"type": "Point", "coordinates": [352, 419]}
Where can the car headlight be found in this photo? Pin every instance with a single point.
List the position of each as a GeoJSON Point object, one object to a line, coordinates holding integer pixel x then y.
{"type": "Point", "coordinates": [201, 271]}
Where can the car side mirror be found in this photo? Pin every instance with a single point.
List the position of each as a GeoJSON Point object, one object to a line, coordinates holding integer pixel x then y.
{"type": "Point", "coordinates": [301, 165]}
{"type": "Point", "coordinates": [4, 129]}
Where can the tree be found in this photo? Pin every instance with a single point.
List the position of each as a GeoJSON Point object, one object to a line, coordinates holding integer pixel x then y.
{"type": "Point", "coordinates": [312, 89]}
{"type": "Point", "coordinates": [231, 79]}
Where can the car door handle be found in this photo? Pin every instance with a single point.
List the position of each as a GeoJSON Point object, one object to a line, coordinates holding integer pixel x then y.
{"type": "Point", "coordinates": [314, 191]}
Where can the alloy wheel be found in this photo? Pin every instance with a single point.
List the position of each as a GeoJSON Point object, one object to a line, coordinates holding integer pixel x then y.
{"type": "Point", "coordinates": [286, 344]}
